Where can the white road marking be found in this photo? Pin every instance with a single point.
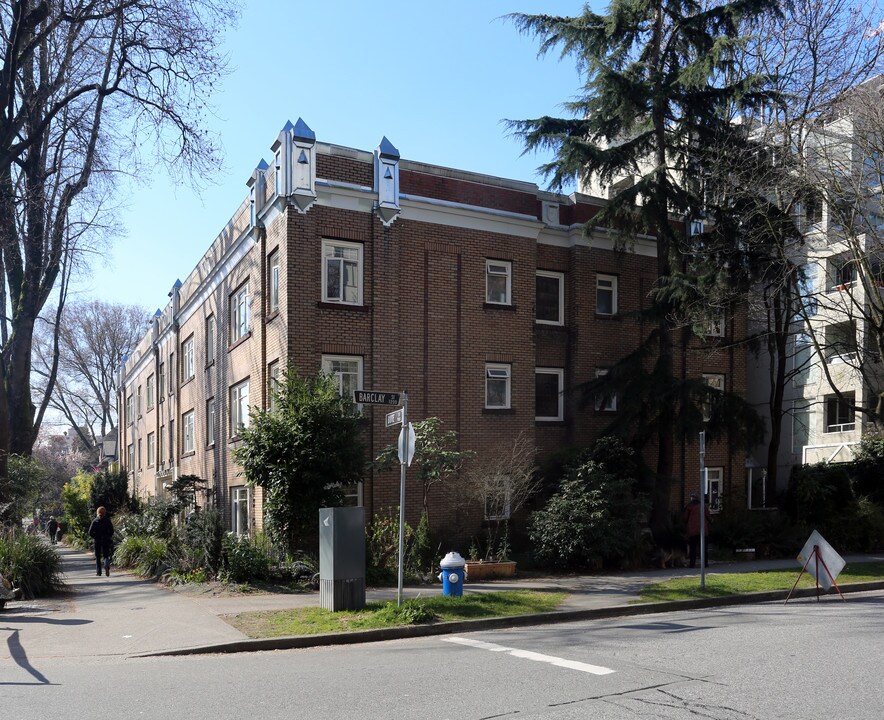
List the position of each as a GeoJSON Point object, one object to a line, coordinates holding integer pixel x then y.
{"type": "Point", "coordinates": [528, 655]}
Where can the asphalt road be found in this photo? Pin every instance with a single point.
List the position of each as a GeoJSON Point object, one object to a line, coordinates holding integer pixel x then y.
{"type": "Point", "coordinates": [802, 661]}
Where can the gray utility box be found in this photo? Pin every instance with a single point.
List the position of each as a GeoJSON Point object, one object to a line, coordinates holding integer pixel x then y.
{"type": "Point", "coordinates": [342, 558]}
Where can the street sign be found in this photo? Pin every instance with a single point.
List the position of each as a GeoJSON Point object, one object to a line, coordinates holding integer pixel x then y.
{"type": "Point", "coordinates": [375, 397]}
{"type": "Point", "coordinates": [395, 417]}
{"type": "Point", "coordinates": [406, 445]}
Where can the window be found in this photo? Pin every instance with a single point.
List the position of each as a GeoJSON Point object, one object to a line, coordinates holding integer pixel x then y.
{"type": "Point", "coordinates": [151, 392]}
{"type": "Point", "coordinates": [840, 341]}
{"type": "Point", "coordinates": [549, 394]}
{"type": "Point", "coordinates": [498, 282]}
{"type": "Point", "coordinates": [161, 438]}
{"type": "Point", "coordinates": [188, 445]}
{"type": "Point", "coordinates": [842, 272]}
{"type": "Point", "coordinates": [497, 387]}
{"type": "Point", "coordinates": [342, 272]}
{"type": "Point", "coordinates": [161, 383]}
{"type": "Point", "coordinates": [240, 309]}
{"type": "Point", "coordinates": [140, 454]}
{"type": "Point", "coordinates": [347, 371]}
{"type": "Point", "coordinates": [151, 449]}
{"type": "Point", "coordinates": [550, 298]}
{"type": "Point", "coordinates": [813, 209]}
{"type": "Point", "coordinates": [273, 384]}
{"type": "Point", "coordinates": [715, 383]}
{"type": "Point", "coordinates": [239, 407]}
{"type": "Point", "coordinates": [187, 367]}
{"type": "Point", "coordinates": [800, 427]}
{"type": "Point", "coordinates": [756, 488]}
{"type": "Point", "coordinates": [240, 506]}
{"type": "Point", "coordinates": [210, 339]}
{"type": "Point", "coordinates": [715, 478]}
{"type": "Point", "coordinates": [801, 359]}
{"type": "Point", "coordinates": [171, 442]}
{"type": "Point", "coordinates": [131, 455]}
{"type": "Point", "coordinates": [130, 410]}
{"type": "Point", "coordinates": [273, 282]}
{"type": "Point", "coordinates": [138, 401]}
{"type": "Point", "coordinates": [839, 413]}
{"type": "Point", "coordinates": [210, 421]}
{"type": "Point", "coordinates": [172, 367]}
{"type": "Point", "coordinates": [498, 497]}
{"type": "Point", "coordinates": [605, 400]}
{"type": "Point", "coordinates": [807, 288]}
{"type": "Point", "coordinates": [715, 326]}
{"type": "Point", "coordinates": [606, 295]}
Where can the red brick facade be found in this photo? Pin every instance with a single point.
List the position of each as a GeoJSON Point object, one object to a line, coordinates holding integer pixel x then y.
{"type": "Point", "coordinates": [423, 323]}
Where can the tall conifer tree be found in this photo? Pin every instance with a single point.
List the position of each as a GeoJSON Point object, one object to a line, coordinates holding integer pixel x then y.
{"type": "Point", "coordinates": [661, 85]}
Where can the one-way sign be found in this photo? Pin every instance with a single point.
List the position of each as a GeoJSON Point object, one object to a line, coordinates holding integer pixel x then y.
{"type": "Point", "coordinates": [375, 397]}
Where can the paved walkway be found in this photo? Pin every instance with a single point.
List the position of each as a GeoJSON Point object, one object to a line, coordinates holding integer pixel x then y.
{"type": "Point", "coordinates": [123, 615]}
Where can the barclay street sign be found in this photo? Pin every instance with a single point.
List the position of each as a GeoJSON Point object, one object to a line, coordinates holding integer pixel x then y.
{"type": "Point", "coordinates": [376, 397]}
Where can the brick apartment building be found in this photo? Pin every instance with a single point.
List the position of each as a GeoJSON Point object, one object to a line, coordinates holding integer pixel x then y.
{"type": "Point", "coordinates": [479, 295]}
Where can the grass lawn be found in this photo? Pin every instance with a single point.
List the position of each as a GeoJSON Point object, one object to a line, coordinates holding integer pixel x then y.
{"type": "Point", "coordinates": [738, 583]}
{"type": "Point", "coordinates": [310, 621]}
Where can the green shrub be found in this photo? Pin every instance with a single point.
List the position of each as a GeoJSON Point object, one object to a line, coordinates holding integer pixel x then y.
{"type": "Point", "coordinates": [382, 541]}
{"type": "Point", "coordinates": [110, 489]}
{"type": "Point", "coordinates": [245, 559]}
{"type": "Point", "coordinates": [29, 563]}
{"type": "Point", "coordinates": [148, 556]}
{"type": "Point", "coordinates": [867, 468]}
{"type": "Point", "coordinates": [201, 542]}
{"type": "Point", "coordinates": [75, 496]}
{"type": "Point", "coordinates": [597, 516]}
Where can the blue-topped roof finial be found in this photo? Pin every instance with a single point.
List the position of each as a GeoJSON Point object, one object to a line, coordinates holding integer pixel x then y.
{"type": "Point", "coordinates": [302, 131]}
{"type": "Point", "coordinates": [386, 149]}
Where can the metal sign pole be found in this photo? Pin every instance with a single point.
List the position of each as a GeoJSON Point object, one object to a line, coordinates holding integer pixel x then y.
{"type": "Point", "coordinates": [402, 463]}
{"type": "Point", "coordinates": [702, 510]}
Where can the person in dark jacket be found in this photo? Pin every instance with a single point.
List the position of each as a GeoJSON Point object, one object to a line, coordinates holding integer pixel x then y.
{"type": "Point", "coordinates": [691, 516]}
{"type": "Point", "coordinates": [52, 529]}
{"type": "Point", "coordinates": [102, 532]}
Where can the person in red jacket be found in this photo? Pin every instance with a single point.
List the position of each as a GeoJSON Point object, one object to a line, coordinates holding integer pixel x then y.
{"type": "Point", "coordinates": [691, 516]}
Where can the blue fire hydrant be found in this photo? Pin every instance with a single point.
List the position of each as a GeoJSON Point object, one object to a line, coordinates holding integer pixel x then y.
{"type": "Point", "coordinates": [452, 575]}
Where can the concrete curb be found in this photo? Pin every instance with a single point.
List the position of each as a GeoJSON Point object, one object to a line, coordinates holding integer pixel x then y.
{"type": "Point", "coordinates": [445, 628]}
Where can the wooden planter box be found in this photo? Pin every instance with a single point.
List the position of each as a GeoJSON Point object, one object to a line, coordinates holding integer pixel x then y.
{"type": "Point", "coordinates": [487, 570]}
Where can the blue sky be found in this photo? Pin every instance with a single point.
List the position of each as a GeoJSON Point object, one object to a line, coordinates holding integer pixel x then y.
{"type": "Point", "coordinates": [436, 80]}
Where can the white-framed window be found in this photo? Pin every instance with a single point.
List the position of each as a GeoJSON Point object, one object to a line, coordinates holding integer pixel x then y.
{"type": "Point", "coordinates": [172, 368]}
{"type": "Point", "coordinates": [130, 409]}
{"type": "Point", "coordinates": [172, 440]}
{"type": "Point", "coordinates": [498, 282]}
{"type": "Point", "coordinates": [840, 415]}
{"type": "Point", "coordinates": [239, 503]}
{"type": "Point", "coordinates": [273, 282]}
{"type": "Point", "coordinates": [606, 294]}
{"type": "Point", "coordinates": [272, 384]}
{"type": "Point", "coordinates": [210, 421]}
{"type": "Point", "coordinates": [239, 407]}
{"type": "Point", "coordinates": [549, 298]}
{"type": "Point", "coordinates": [187, 364]}
{"type": "Point", "coordinates": [240, 313]}
{"type": "Point", "coordinates": [161, 383]}
{"type": "Point", "coordinates": [841, 344]}
{"type": "Point", "coordinates": [498, 384]}
{"type": "Point", "coordinates": [801, 357]}
{"type": "Point", "coordinates": [151, 449]}
{"type": "Point", "coordinates": [605, 400]}
{"type": "Point", "coordinates": [549, 394]}
{"type": "Point", "coordinates": [131, 455]}
{"type": "Point", "coordinates": [341, 272]}
{"type": "Point", "coordinates": [498, 497]}
{"type": "Point", "coordinates": [187, 428]}
{"type": "Point", "coordinates": [346, 370]}
{"type": "Point", "coordinates": [807, 288]}
{"type": "Point", "coordinates": [210, 339]}
{"type": "Point", "coordinates": [138, 401]}
{"type": "Point", "coordinates": [151, 392]}
{"type": "Point", "coordinates": [715, 476]}
{"type": "Point", "coordinates": [714, 381]}
{"type": "Point", "coordinates": [140, 454]}
{"type": "Point", "coordinates": [842, 272]}
{"type": "Point", "coordinates": [161, 444]}
{"type": "Point", "coordinates": [715, 326]}
{"type": "Point", "coordinates": [800, 427]}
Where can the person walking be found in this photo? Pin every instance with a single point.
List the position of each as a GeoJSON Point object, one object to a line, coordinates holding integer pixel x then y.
{"type": "Point", "coordinates": [691, 516]}
{"type": "Point", "coordinates": [52, 529]}
{"type": "Point", "coordinates": [102, 532]}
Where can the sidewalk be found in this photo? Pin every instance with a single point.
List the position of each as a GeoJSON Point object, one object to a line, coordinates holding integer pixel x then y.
{"type": "Point", "coordinates": [123, 615]}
